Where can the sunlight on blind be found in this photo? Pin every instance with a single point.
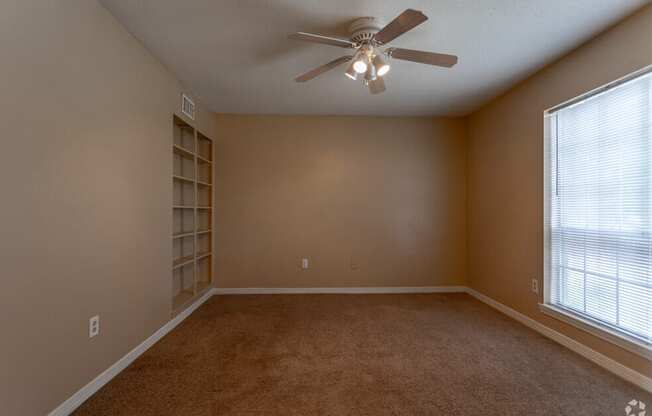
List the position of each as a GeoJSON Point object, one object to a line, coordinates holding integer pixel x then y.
{"type": "Point", "coordinates": [601, 207]}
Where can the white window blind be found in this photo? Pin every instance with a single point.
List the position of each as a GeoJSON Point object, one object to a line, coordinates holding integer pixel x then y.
{"type": "Point", "coordinates": [600, 208]}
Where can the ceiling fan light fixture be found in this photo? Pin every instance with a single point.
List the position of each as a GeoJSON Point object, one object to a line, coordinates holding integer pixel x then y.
{"type": "Point", "coordinates": [351, 72]}
{"type": "Point", "coordinates": [382, 67]}
{"type": "Point", "coordinates": [370, 75]}
{"type": "Point", "coordinates": [359, 61]}
{"type": "Point", "coordinates": [368, 40]}
{"type": "Point", "coordinates": [360, 66]}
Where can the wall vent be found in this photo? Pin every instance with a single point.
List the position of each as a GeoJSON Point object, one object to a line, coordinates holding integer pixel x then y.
{"type": "Point", "coordinates": [187, 107]}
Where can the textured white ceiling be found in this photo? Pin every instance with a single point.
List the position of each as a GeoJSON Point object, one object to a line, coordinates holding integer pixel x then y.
{"type": "Point", "coordinates": [234, 54]}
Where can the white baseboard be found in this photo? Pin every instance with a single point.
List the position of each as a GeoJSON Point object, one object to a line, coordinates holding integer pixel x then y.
{"type": "Point", "coordinates": [603, 361]}
{"type": "Point", "coordinates": [88, 390]}
{"type": "Point", "coordinates": [67, 407]}
{"type": "Point", "coordinates": [336, 290]}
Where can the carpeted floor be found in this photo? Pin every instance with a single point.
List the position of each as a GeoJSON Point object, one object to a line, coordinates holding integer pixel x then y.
{"type": "Point", "coordinates": [435, 354]}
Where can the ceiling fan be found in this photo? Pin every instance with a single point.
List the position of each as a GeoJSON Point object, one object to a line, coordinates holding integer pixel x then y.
{"type": "Point", "coordinates": [370, 59]}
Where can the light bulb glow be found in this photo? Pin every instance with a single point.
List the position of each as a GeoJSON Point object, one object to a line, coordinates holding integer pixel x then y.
{"type": "Point", "coordinates": [382, 67]}
{"type": "Point", "coordinates": [382, 70]}
{"type": "Point", "coordinates": [350, 71]}
{"type": "Point", "coordinates": [360, 66]}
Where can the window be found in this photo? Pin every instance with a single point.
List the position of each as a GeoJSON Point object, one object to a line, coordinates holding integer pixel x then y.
{"type": "Point", "coordinates": [599, 211]}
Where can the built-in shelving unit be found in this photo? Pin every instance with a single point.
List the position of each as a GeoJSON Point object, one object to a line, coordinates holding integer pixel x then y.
{"type": "Point", "coordinates": [192, 211]}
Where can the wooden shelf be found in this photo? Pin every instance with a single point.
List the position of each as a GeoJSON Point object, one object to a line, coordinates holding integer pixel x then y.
{"type": "Point", "coordinates": [182, 261]}
{"type": "Point", "coordinates": [204, 207]}
{"type": "Point", "coordinates": [181, 124]}
{"type": "Point", "coordinates": [182, 298]}
{"type": "Point", "coordinates": [183, 179]}
{"type": "Point", "coordinates": [183, 234]}
{"type": "Point", "coordinates": [202, 159]}
{"type": "Point", "coordinates": [202, 286]}
{"type": "Point", "coordinates": [203, 255]}
{"type": "Point", "coordinates": [182, 151]}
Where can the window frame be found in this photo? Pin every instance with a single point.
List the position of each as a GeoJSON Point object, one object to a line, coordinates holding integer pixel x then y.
{"type": "Point", "coordinates": [586, 323]}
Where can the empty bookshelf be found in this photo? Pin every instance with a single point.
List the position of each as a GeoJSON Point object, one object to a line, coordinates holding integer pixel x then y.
{"type": "Point", "coordinates": [192, 211]}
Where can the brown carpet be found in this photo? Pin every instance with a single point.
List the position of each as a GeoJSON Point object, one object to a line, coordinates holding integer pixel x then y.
{"type": "Point", "coordinates": [440, 354]}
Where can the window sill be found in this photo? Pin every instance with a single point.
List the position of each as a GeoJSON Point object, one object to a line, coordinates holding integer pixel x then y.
{"type": "Point", "coordinates": [604, 332]}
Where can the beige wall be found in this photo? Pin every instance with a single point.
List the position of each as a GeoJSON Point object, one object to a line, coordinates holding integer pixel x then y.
{"type": "Point", "coordinates": [85, 176]}
{"type": "Point", "coordinates": [85, 173]}
{"type": "Point", "coordinates": [370, 201]}
{"type": "Point", "coordinates": [505, 176]}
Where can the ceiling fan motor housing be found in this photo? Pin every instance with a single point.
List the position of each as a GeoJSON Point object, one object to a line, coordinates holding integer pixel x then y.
{"type": "Point", "coordinates": [363, 29]}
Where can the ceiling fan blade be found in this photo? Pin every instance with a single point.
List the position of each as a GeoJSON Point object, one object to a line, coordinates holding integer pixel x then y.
{"type": "Point", "coordinates": [377, 86]}
{"type": "Point", "coordinates": [403, 23]}
{"type": "Point", "coordinates": [326, 40]}
{"type": "Point", "coordinates": [321, 69]}
{"type": "Point", "coordinates": [422, 57]}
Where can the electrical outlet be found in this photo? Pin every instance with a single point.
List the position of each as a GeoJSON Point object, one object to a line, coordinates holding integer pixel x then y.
{"type": "Point", "coordinates": [94, 326]}
{"type": "Point", "coordinates": [354, 264]}
{"type": "Point", "coordinates": [304, 263]}
{"type": "Point", "coordinates": [535, 285]}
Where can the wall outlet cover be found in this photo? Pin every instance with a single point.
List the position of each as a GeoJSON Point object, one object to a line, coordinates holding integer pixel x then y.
{"type": "Point", "coordinates": [94, 326]}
